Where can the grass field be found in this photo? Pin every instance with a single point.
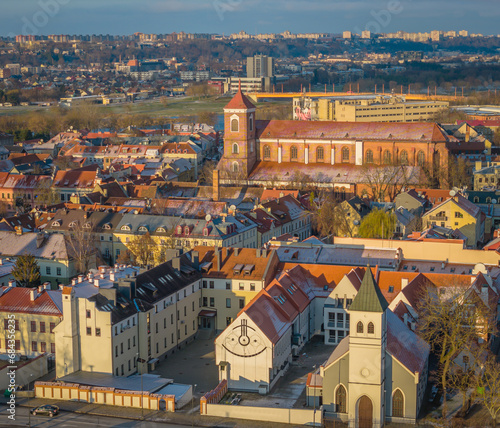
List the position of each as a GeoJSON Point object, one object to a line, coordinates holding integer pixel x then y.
{"type": "Point", "coordinates": [173, 107]}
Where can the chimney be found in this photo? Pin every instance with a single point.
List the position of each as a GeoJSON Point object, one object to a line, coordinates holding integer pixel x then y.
{"type": "Point", "coordinates": [216, 188]}
{"type": "Point", "coordinates": [46, 286]}
{"type": "Point", "coordinates": [80, 278]}
{"type": "Point", "coordinates": [217, 254]}
{"type": "Point", "coordinates": [176, 263]}
{"type": "Point", "coordinates": [404, 283]}
{"type": "Point", "coordinates": [196, 259]}
{"type": "Point", "coordinates": [91, 276]}
{"type": "Point", "coordinates": [73, 282]}
{"type": "Point", "coordinates": [12, 283]}
{"type": "Point", "coordinates": [112, 276]}
{"type": "Point", "coordinates": [96, 283]}
{"type": "Point", "coordinates": [33, 294]}
{"type": "Point", "coordinates": [19, 230]}
{"type": "Point", "coordinates": [236, 252]}
{"type": "Point", "coordinates": [1, 262]}
{"type": "Point", "coordinates": [102, 269]}
{"type": "Point", "coordinates": [257, 253]}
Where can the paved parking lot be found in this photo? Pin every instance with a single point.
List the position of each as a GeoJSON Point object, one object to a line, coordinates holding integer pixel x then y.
{"type": "Point", "coordinates": [192, 365]}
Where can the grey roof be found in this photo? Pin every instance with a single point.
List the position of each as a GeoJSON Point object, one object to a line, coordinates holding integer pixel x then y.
{"type": "Point", "coordinates": [53, 246]}
{"type": "Point", "coordinates": [341, 349]}
{"type": "Point", "coordinates": [369, 297]}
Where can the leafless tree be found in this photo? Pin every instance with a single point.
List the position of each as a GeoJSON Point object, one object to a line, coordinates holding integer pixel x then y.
{"type": "Point", "coordinates": [82, 243]}
{"type": "Point", "coordinates": [142, 248]}
{"type": "Point", "coordinates": [450, 320]}
{"type": "Point", "coordinates": [385, 182]}
{"type": "Point", "coordinates": [489, 386]}
{"type": "Point", "coordinates": [329, 215]}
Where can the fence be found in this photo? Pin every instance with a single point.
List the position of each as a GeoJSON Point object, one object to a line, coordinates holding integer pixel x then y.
{"type": "Point", "coordinates": [104, 395]}
{"type": "Point", "coordinates": [213, 396]}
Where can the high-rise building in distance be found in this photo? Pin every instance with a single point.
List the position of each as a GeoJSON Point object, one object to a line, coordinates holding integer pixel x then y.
{"type": "Point", "coordinates": [260, 66]}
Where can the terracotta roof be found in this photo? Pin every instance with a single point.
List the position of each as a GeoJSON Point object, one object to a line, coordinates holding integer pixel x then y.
{"type": "Point", "coordinates": [367, 131]}
{"type": "Point", "coordinates": [239, 102]}
{"type": "Point", "coordinates": [17, 299]}
{"type": "Point", "coordinates": [75, 178]}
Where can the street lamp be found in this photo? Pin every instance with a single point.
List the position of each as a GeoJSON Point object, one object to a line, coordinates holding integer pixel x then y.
{"type": "Point", "coordinates": [29, 411]}
{"type": "Point", "coordinates": [314, 398]}
{"type": "Point", "coordinates": [192, 404]}
{"type": "Point", "coordinates": [142, 387]}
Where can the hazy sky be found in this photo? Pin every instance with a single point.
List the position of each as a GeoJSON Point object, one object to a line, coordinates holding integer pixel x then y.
{"type": "Point", "coordinates": [252, 16]}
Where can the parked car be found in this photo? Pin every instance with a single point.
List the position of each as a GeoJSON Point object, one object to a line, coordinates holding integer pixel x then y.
{"type": "Point", "coordinates": [46, 409]}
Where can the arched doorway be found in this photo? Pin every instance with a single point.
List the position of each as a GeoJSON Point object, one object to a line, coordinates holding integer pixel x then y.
{"type": "Point", "coordinates": [163, 405]}
{"type": "Point", "coordinates": [365, 412]}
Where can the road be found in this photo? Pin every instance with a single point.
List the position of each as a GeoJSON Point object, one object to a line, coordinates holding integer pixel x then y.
{"type": "Point", "coordinates": [70, 420]}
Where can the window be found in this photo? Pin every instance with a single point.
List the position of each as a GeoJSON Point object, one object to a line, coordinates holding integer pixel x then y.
{"type": "Point", "coordinates": [369, 156]}
{"type": "Point", "coordinates": [242, 303]}
{"type": "Point", "coordinates": [43, 347]}
{"type": "Point", "coordinates": [212, 284]}
{"type": "Point", "coordinates": [293, 153]}
{"type": "Point", "coordinates": [320, 154]}
{"type": "Point", "coordinates": [488, 200]}
{"type": "Point", "coordinates": [204, 284]}
{"type": "Point", "coordinates": [205, 301]}
{"type": "Point", "coordinates": [250, 123]}
{"type": "Point", "coordinates": [345, 154]}
{"type": "Point", "coordinates": [228, 303]}
{"type": "Point", "coordinates": [235, 125]}
{"type": "Point", "coordinates": [89, 331]}
{"type": "Point", "coordinates": [236, 149]}
{"type": "Point", "coordinates": [403, 158]}
{"type": "Point", "coordinates": [387, 157]}
{"type": "Point", "coordinates": [98, 332]}
{"type": "Point", "coordinates": [359, 327]}
{"type": "Point", "coordinates": [267, 152]}
{"type": "Point", "coordinates": [88, 313]}
{"type": "Point", "coordinates": [340, 399]}
{"type": "Point", "coordinates": [398, 404]}
{"type": "Point", "coordinates": [52, 325]}
{"type": "Point", "coordinates": [47, 270]}
{"type": "Point", "coordinates": [42, 327]}
{"type": "Point", "coordinates": [241, 286]}
{"type": "Point", "coordinates": [229, 320]}
{"type": "Point", "coordinates": [33, 326]}
{"type": "Point", "coordinates": [34, 346]}
{"type": "Point", "coordinates": [235, 167]}
{"type": "Point", "coordinates": [252, 287]}
{"type": "Point", "coordinates": [212, 302]}
{"type": "Point", "coordinates": [53, 348]}
{"type": "Point", "coordinates": [420, 158]}
{"type": "Point", "coordinates": [371, 328]}
{"type": "Point", "coordinates": [458, 214]}
{"type": "Point", "coordinates": [228, 286]}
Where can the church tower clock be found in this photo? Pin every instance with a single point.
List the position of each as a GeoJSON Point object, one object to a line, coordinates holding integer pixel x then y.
{"type": "Point", "coordinates": [240, 151]}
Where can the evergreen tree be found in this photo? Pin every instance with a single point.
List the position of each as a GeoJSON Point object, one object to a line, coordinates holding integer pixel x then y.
{"type": "Point", "coordinates": [26, 271]}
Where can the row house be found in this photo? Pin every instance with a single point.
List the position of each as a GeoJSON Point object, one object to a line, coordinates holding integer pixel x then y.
{"type": "Point", "coordinates": [77, 181]}
{"type": "Point", "coordinates": [19, 191]}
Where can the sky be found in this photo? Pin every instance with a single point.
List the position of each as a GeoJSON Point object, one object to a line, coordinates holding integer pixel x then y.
{"type": "Point", "coordinates": [121, 17]}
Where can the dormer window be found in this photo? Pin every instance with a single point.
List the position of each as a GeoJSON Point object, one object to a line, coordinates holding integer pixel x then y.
{"type": "Point", "coordinates": [186, 230]}
{"type": "Point", "coordinates": [125, 227]}
{"type": "Point", "coordinates": [179, 230]}
{"type": "Point", "coordinates": [161, 230]}
{"type": "Point", "coordinates": [87, 226]}
{"type": "Point", "coordinates": [143, 229]}
{"type": "Point", "coordinates": [206, 232]}
{"type": "Point", "coordinates": [56, 223]}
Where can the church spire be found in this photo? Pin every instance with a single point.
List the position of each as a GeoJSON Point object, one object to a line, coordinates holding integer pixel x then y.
{"type": "Point", "coordinates": [369, 297]}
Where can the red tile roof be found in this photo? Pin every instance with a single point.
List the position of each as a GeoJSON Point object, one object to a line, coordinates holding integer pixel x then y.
{"type": "Point", "coordinates": [239, 102]}
{"type": "Point", "coordinates": [17, 299]}
{"type": "Point", "coordinates": [369, 131]}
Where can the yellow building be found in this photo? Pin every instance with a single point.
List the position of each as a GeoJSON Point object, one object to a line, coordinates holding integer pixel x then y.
{"type": "Point", "coordinates": [382, 108]}
{"type": "Point", "coordinates": [458, 213]}
{"type": "Point", "coordinates": [30, 314]}
{"type": "Point", "coordinates": [232, 277]}
{"type": "Point", "coordinates": [119, 322]}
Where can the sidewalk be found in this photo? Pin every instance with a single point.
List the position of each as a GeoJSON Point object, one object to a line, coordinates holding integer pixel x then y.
{"type": "Point", "coordinates": [188, 419]}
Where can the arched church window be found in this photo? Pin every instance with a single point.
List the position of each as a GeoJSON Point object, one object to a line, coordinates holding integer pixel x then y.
{"type": "Point", "coordinates": [293, 153]}
{"type": "Point", "coordinates": [387, 157]}
{"type": "Point", "coordinates": [398, 404]}
{"type": "Point", "coordinates": [235, 126]}
{"type": "Point", "coordinates": [250, 123]}
{"type": "Point", "coordinates": [236, 167]}
{"type": "Point", "coordinates": [236, 148]}
{"type": "Point", "coordinates": [369, 156]}
{"type": "Point", "coordinates": [345, 154]}
{"type": "Point", "coordinates": [403, 157]}
{"type": "Point", "coordinates": [341, 399]}
{"type": "Point", "coordinates": [267, 152]}
{"type": "Point", "coordinates": [320, 154]}
{"type": "Point", "coordinates": [371, 328]}
{"type": "Point", "coordinates": [420, 158]}
{"type": "Point", "coordinates": [359, 327]}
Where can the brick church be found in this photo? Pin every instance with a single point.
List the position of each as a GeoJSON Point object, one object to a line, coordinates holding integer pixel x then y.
{"type": "Point", "coordinates": [328, 154]}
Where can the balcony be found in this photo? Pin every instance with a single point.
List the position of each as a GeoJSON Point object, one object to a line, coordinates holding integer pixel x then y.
{"type": "Point", "coordinates": [438, 218]}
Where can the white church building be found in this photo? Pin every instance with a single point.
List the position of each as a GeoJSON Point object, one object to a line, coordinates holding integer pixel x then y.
{"type": "Point", "coordinates": [378, 373]}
